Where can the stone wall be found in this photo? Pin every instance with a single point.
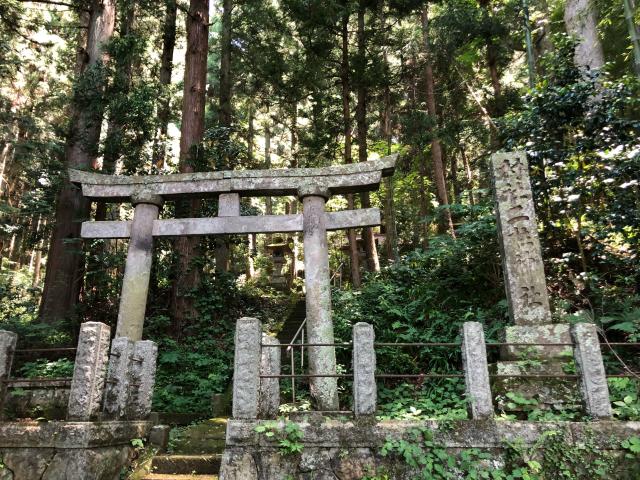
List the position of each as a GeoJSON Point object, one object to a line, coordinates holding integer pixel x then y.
{"type": "Point", "coordinates": [67, 450]}
{"type": "Point", "coordinates": [350, 449]}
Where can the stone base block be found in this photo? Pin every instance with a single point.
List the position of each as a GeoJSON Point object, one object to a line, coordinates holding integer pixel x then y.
{"type": "Point", "coordinates": [350, 450]}
{"type": "Point", "coordinates": [549, 333]}
{"type": "Point", "coordinates": [549, 393]}
{"type": "Point", "coordinates": [67, 450]}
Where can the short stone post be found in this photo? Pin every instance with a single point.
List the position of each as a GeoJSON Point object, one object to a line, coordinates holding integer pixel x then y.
{"type": "Point", "coordinates": [589, 364]}
{"type": "Point", "coordinates": [142, 378]}
{"type": "Point", "coordinates": [270, 387]}
{"type": "Point", "coordinates": [322, 360]}
{"type": "Point", "coordinates": [476, 371]}
{"type": "Point", "coordinates": [116, 392]}
{"type": "Point", "coordinates": [135, 284]}
{"type": "Point", "coordinates": [8, 341]}
{"type": "Point", "coordinates": [89, 371]}
{"type": "Point", "coordinates": [365, 393]}
{"type": "Point", "coordinates": [246, 368]}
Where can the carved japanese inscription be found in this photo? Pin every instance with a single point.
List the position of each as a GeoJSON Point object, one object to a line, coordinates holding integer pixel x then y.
{"type": "Point", "coordinates": [521, 255]}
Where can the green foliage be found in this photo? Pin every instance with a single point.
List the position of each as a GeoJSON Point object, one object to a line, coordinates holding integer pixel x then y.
{"type": "Point", "coordinates": [137, 443]}
{"type": "Point", "coordinates": [44, 368]}
{"type": "Point", "coordinates": [550, 457]}
{"type": "Point", "coordinates": [581, 136]}
{"type": "Point", "coordinates": [420, 452]}
{"type": "Point", "coordinates": [443, 400]}
{"type": "Point", "coordinates": [426, 297]}
{"type": "Point", "coordinates": [624, 398]}
{"type": "Point", "coordinates": [287, 433]}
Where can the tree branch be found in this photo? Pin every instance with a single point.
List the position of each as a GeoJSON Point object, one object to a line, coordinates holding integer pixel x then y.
{"type": "Point", "coordinates": [53, 2]}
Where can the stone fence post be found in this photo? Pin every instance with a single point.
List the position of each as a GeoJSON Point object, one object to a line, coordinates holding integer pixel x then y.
{"type": "Point", "coordinates": [590, 367]}
{"type": "Point", "coordinates": [476, 371]}
{"type": "Point", "coordinates": [142, 374]}
{"type": "Point", "coordinates": [130, 379]}
{"type": "Point", "coordinates": [89, 371]}
{"type": "Point", "coordinates": [270, 387]}
{"type": "Point", "coordinates": [8, 342]}
{"type": "Point", "coordinates": [116, 392]}
{"type": "Point", "coordinates": [365, 393]}
{"type": "Point", "coordinates": [246, 368]}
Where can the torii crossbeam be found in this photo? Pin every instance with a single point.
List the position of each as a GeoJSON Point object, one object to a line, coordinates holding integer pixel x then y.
{"type": "Point", "coordinates": [313, 186]}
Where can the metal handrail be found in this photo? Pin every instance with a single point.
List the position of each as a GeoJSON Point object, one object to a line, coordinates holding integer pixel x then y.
{"type": "Point", "coordinates": [299, 332]}
{"type": "Point", "coordinates": [335, 273]}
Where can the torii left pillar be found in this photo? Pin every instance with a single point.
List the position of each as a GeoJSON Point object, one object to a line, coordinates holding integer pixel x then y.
{"type": "Point", "coordinates": [137, 272]}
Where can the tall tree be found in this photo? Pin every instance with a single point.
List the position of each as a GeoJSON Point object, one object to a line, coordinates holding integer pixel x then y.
{"type": "Point", "coordinates": [121, 85]}
{"type": "Point", "coordinates": [436, 147]}
{"type": "Point", "coordinates": [64, 262]}
{"type": "Point", "coordinates": [581, 20]}
{"type": "Point", "coordinates": [361, 120]}
{"type": "Point", "coordinates": [166, 69]}
{"type": "Point", "coordinates": [187, 276]}
{"type": "Point", "coordinates": [354, 253]}
{"type": "Point", "coordinates": [225, 66]}
{"type": "Point", "coordinates": [225, 116]}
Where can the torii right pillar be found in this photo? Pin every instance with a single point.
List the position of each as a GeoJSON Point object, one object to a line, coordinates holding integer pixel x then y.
{"type": "Point", "coordinates": [526, 289]}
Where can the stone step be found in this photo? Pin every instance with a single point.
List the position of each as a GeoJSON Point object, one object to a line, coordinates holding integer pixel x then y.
{"type": "Point", "coordinates": [165, 476]}
{"type": "Point", "coordinates": [207, 437]}
{"type": "Point", "coordinates": [186, 464]}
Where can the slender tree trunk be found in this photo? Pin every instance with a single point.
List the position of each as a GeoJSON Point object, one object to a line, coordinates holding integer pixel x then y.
{"type": "Point", "coordinates": [296, 264]}
{"type": "Point", "coordinates": [469, 175]}
{"type": "Point", "coordinates": [251, 134]}
{"type": "Point", "coordinates": [354, 253]}
{"type": "Point", "coordinates": [225, 66]}
{"type": "Point", "coordinates": [252, 237]}
{"type": "Point", "coordinates": [494, 76]}
{"type": "Point", "coordinates": [268, 204]}
{"type": "Point", "coordinates": [65, 259]}
{"type": "Point", "coordinates": [37, 262]}
{"type": "Point", "coordinates": [391, 238]}
{"type": "Point", "coordinates": [187, 276]}
{"type": "Point", "coordinates": [581, 21]}
{"type": "Point", "coordinates": [166, 69]}
{"type": "Point", "coordinates": [455, 184]}
{"type": "Point", "coordinates": [222, 244]}
{"type": "Point", "coordinates": [634, 33]}
{"type": "Point", "coordinates": [436, 148]}
{"type": "Point", "coordinates": [361, 119]}
{"type": "Point", "coordinates": [542, 43]}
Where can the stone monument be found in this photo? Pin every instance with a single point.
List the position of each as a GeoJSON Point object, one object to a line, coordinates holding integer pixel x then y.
{"type": "Point", "coordinates": [526, 290]}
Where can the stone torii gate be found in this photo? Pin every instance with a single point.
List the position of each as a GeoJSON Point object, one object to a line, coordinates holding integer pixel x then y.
{"type": "Point", "coordinates": [313, 186]}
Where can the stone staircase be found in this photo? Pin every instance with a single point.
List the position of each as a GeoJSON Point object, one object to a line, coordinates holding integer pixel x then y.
{"type": "Point", "coordinates": [195, 453]}
{"type": "Point", "coordinates": [293, 322]}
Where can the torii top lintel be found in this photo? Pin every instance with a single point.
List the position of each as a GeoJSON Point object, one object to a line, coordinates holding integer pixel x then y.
{"type": "Point", "coordinates": [351, 178]}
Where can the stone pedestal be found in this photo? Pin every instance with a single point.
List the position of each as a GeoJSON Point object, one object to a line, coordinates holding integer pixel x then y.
{"type": "Point", "coordinates": [67, 450]}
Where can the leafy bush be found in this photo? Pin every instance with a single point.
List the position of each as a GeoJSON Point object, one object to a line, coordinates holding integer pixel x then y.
{"type": "Point", "coordinates": [47, 368]}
